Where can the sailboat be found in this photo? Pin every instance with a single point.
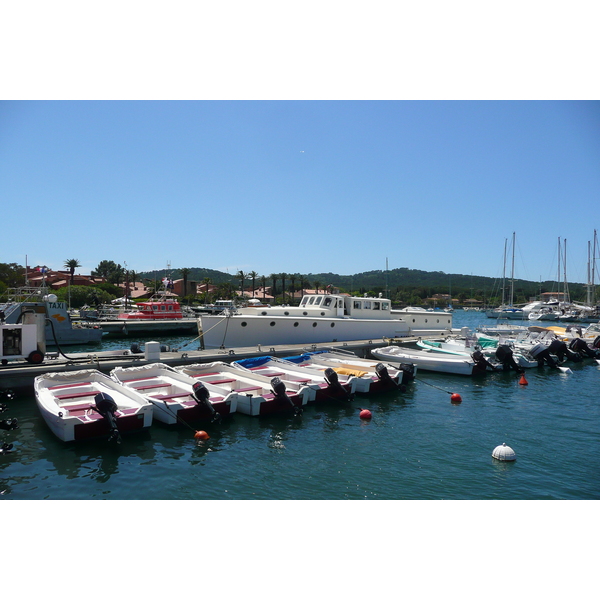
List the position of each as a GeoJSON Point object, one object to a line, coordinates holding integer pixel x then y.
{"type": "Point", "coordinates": [507, 311]}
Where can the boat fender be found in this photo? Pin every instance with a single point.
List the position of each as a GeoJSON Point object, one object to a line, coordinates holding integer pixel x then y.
{"type": "Point", "coordinates": [107, 407]}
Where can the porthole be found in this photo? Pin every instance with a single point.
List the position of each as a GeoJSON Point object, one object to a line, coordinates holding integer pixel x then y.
{"type": "Point", "coordinates": [425, 320]}
{"type": "Point", "coordinates": [244, 323]}
{"type": "Point", "coordinates": [296, 324]}
{"type": "Point", "coordinates": [314, 324]}
{"type": "Point", "coordinates": [333, 324]}
{"type": "Point", "coordinates": [264, 313]}
{"type": "Point", "coordinates": [305, 313]}
{"type": "Point", "coordinates": [322, 314]}
{"type": "Point", "coordinates": [286, 313]}
{"type": "Point", "coordinates": [272, 323]}
{"type": "Point", "coordinates": [438, 321]}
{"type": "Point", "coordinates": [414, 321]}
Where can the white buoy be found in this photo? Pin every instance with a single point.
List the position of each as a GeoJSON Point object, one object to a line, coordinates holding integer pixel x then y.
{"type": "Point", "coordinates": [504, 452]}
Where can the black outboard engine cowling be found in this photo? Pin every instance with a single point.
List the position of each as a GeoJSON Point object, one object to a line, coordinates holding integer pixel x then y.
{"type": "Point", "coordinates": [333, 381]}
{"type": "Point", "coordinates": [408, 372]}
{"type": "Point", "coordinates": [578, 345]}
{"type": "Point", "coordinates": [279, 391]}
{"type": "Point", "coordinates": [107, 407]}
{"type": "Point", "coordinates": [202, 397]}
{"type": "Point", "coordinates": [596, 343]}
{"type": "Point", "coordinates": [559, 348]}
{"type": "Point", "coordinates": [504, 354]}
{"type": "Point", "coordinates": [382, 373]}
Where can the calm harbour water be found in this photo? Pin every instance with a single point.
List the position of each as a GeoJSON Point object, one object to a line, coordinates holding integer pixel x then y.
{"type": "Point", "coordinates": [418, 446]}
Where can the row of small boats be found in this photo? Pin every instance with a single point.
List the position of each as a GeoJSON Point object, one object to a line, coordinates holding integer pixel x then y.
{"type": "Point", "coordinates": [89, 404]}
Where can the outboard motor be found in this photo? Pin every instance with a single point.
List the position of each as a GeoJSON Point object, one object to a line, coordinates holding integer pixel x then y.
{"type": "Point", "coordinates": [596, 343]}
{"type": "Point", "coordinates": [5, 448]}
{"type": "Point", "coordinates": [578, 345]}
{"type": "Point", "coordinates": [408, 373]}
{"type": "Point", "coordinates": [278, 389]}
{"type": "Point", "coordinates": [504, 354]}
{"type": "Point", "coordinates": [106, 406]}
{"type": "Point", "coordinates": [541, 353]}
{"type": "Point", "coordinates": [202, 397]}
{"type": "Point", "coordinates": [135, 348]}
{"type": "Point", "coordinates": [332, 379]}
{"type": "Point", "coordinates": [480, 361]}
{"type": "Point", "coordinates": [383, 374]}
{"type": "Point", "coordinates": [559, 348]}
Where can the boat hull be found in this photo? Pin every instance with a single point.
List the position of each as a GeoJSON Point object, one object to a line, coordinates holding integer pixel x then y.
{"type": "Point", "coordinates": [426, 361]}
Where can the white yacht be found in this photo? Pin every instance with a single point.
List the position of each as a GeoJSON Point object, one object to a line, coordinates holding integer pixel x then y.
{"type": "Point", "coordinates": [319, 318]}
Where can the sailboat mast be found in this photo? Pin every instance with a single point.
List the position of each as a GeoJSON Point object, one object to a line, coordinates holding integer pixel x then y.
{"type": "Point", "coordinates": [566, 285]}
{"type": "Point", "coordinates": [512, 272]}
{"type": "Point", "coordinates": [504, 275]}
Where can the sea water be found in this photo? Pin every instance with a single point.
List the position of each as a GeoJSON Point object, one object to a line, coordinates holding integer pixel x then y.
{"type": "Point", "coordinates": [417, 446]}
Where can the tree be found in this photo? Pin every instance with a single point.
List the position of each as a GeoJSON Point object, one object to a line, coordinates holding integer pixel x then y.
{"type": "Point", "coordinates": [317, 284]}
{"type": "Point", "coordinates": [184, 273]}
{"type": "Point", "coordinates": [206, 282]}
{"type": "Point", "coordinates": [242, 277]}
{"type": "Point", "coordinates": [263, 281]}
{"type": "Point", "coordinates": [112, 272]}
{"type": "Point", "coordinates": [293, 278]}
{"type": "Point", "coordinates": [11, 274]}
{"type": "Point", "coordinates": [282, 277]}
{"type": "Point", "coordinates": [274, 277]}
{"type": "Point", "coordinates": [72, 264]}
{"type": "Point", "coordinates": [253, 275]}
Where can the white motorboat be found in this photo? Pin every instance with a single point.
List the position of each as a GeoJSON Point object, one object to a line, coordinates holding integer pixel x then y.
{"type": "Point", "coordinates": [319, 318]}
{"type": "Point", "coordinates": [83, 405]}
{"type": "Point", "coordinates": [257, 396]}
{"type": "Point", "coordinates": [174, 396]}
{"type": "Point", "coordinates": [372, 376]}
{"type": "Point", "coordinates": [326, 383]}
{"type": "Point", "coordinates": [499, 355]}
{"type": "Point", "coordinates": [428, 361]}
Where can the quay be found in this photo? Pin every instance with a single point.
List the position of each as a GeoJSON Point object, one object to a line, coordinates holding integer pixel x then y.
{"type": "Point", "coordinates": [19, 375]}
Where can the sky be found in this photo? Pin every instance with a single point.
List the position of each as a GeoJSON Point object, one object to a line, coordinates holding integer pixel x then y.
{"type": "Point", "coordinates": [268, 179]}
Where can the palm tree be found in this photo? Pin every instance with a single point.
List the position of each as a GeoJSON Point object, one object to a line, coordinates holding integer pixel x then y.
{"type": "Point", "coordinates": [274, 277]}
{"type": "Point", "coordinates": [72, 264]}
{"type": "Point", "coordinates": [283, 276]}
{"type": "Point", "coordinates": [206, 282]}
{"type": "Point", "coordinates": [242, 277]}
{"type": "Point", "coordinates": [317, 284]}
{"type": "Point", "coordinates": [263, 282]}
{"type": "Point", "coordinates": [184, 273]}
{"type": "Point", "coordinates": [293, 278]}
{"type": "Point", "coordinates": [253, 275]}
{"type": "Point", "coordinates": [303, 281]}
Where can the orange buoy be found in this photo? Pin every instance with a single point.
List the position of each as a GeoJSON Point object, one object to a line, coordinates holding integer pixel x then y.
{"type": "Point", "coordinates": [365, 414]}
{"type": "Point", "coordinates": [523, 381]}
{"type": "Point", "coordinates": [201, 435]}
{"type": "Point", "coordinates": [455, 398]}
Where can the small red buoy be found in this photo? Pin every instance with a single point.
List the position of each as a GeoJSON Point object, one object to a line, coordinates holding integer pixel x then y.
{"type": "Point", "coordinates": [201, 435]}
{"type": "Point", "coordinates": [455, 398]}
{"type": "Point", "coordinates": [523, 381]}
{"type": "Point", "coordinates": [365, 414]}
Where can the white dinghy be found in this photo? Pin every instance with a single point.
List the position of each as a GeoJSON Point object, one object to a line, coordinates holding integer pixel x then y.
{"type": "Point", "coordinates": [83, 405]}
{"type": "Point", "coordinates": [257, 396]}
{"type": "Point", "coordinates": [174, 396]}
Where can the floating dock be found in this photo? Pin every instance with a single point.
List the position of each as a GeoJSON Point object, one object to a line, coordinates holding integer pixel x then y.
{"type": "Point", "coordinates": [19, 375]}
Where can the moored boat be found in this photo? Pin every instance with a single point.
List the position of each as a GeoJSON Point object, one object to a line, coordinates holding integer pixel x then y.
{"type": "Point", "coordinates": [256, 395]}
{"type": "Point", "coordinates": [326, 383]}
{"type": "Point", "coordinates": [428, 361]}
{"type": "Point", "coordinates": [86, 404]}
{"type": "Point", "coordinates": [371, 376]}
{"type": "Point", "coordinates": [174, 396]}
{"type": "Point", "coordinates": [319, 318]}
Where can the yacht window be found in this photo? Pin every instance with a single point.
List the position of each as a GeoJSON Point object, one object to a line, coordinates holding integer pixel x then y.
{"type": "Point", "coordinates": [327, 302]}
{"type": "Point", "coordinates": [340, 303]}
{"type": "Point", "coordinates": [367, 304]}
{"type": "Point", "coordinates": [357, 305]}
{"type": "Point", "coordinates": [312, 300]}
{"type": "Point", "coordinates": [375, 305]}
{"type": "Point", "coordinates": [304, 300]}
{"type": "Point", "coordinates": [318, 300]}
{"type": "Point", "coordinates": [385, 306]}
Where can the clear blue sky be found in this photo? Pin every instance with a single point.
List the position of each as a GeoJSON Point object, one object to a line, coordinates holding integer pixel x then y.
{"type": "Point", "coordinates": [301, 150]}
{"type": "Point", "coordinates": [300, 186]}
